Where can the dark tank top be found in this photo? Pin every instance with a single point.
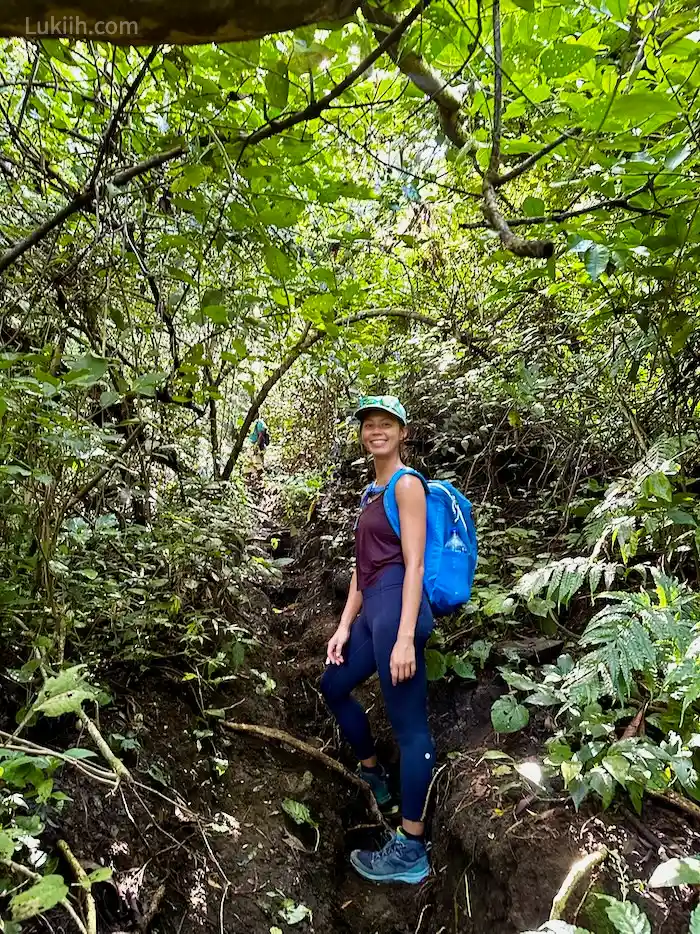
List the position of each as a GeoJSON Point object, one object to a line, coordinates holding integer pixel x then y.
{"type": "Point", "coordinates": [377, 546]}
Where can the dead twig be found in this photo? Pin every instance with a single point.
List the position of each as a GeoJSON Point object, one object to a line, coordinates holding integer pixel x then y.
{"type": "Point", "coordinates": [266, 732]}
{"type": "Point", "coordinates": [85, 888]}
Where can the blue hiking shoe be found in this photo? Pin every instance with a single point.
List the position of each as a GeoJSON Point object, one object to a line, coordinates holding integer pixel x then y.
{"type": "Point", "coordinates": [380, 790]}
{"type": "Point", "coordinates": [400, 860]}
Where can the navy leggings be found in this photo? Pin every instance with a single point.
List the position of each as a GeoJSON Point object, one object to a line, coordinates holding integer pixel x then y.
{"type": "Point", "coordinates": [369, 648]}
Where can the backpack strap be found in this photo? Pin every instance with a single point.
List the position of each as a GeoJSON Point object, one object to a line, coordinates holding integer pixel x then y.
{"type": "Point", "coordinates": [391, 507]}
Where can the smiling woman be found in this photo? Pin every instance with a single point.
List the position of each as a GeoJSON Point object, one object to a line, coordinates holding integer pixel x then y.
{"type": "Point", "coordinates": [384, 627]}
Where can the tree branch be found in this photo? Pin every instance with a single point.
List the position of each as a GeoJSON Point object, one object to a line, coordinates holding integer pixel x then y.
{"type": "Point", "coordinates": [535, 249]}
{"type": "Point", "coordinates": [82, 201]}
{"type": "Point", "coordinates": [314, 110]}
{"type": "Point", "coordinates": [449, 104]}
{"type": "Point", "coordinates": [422, 75]}
{"type": "Point", "coordinates": [117, 115]}
{"type": "Point", "coordinates": [558, 217]}
{"type": "Point", "coordinates": [535, 157]}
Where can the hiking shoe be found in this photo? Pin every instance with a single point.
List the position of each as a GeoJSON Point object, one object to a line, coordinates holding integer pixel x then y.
{"type": "Point", "coordinates": [380, 790]}
{"type": "Point", "coordinates": [400, 860]}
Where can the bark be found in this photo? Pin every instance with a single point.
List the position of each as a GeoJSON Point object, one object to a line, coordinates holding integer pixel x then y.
{"type": "Point", "coordinates": [181, 22]}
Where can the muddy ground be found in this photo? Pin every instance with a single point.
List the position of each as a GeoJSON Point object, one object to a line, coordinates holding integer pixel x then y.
{"type": "Point", "coordinates": [206, 845]}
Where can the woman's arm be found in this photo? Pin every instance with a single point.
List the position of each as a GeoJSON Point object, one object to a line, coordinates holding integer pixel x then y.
{"type": "Point", "coordinates": [353, 605]}
{"type": "Point", "coordinates": [410, 498]}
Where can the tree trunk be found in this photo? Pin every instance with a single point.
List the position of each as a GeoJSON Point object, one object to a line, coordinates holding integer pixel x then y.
{"type": "Point", "coordinates": [180, 22]}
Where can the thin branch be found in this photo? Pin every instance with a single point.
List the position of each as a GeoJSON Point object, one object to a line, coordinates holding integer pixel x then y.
{"type": "Point", "coordinates": [495, 158]}
{"type": "Point", "coordinates": [82, 201]}
{"type": "Point", "coordinates": [535, 157]}
{"type": "Point", "coordinates": [117, 115]}
{"type": "Point", "coordinates": [84, 883]}
{"type": "Point", "coordinates": [559, 216]}
{"type": "Point", "coordinates": [449, 106]}
{"type": "Point", "coordinates": [315, 109]}
{"type": "Point", "coordinates": [90, 485]}
{"type": "Point", "coordinates": [306, 342]}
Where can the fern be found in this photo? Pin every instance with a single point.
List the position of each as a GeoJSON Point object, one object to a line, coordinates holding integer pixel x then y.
{"type": "Point", "coordinates": [563, 579]}
{"type": "Point", "coordinates": [626, 917]}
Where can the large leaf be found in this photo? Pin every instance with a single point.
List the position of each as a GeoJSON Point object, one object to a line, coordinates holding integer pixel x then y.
{"type": "Point", "coordinates": [435, 664]}
{"type": "Point", "coordinates": [564, 58]}
{"type": "Point", "coordinates": [508, 716]}
{"type": "Point", "coordinates": [277, 84]}
{"type": "Point", "coordinates": [43, 895]}
{"type": "Point", "coordinates": [596, 259]}
{"type": "Point", "coordinates": [694, 927]}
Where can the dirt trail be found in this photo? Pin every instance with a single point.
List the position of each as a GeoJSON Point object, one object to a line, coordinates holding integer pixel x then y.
{"type": "Point", "coordinates": [242, 864]}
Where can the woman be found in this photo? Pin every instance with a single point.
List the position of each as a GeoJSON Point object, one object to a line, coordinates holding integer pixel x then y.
{"type": "Point", "coordinates": [384, 627]}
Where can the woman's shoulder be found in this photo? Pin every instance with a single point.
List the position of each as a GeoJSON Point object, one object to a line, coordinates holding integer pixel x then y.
{"type": "Point", "coordinates": [410, 485]}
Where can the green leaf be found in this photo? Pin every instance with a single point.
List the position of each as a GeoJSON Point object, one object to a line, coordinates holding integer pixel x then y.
{"type": "Point", "coordinates": [596, 260]}
{"type": "Point", "coordinates": [640, 105]}
{"type": "Point", "coordinates": [617, 9]}
{"type": "Point", "coordinates": [293, 913]}
{"type": "Point", "coordinates": [68, 702]}
{"type": "Point", "coordinates": [563, 58]}
{"type": "Point", "coordinates": [87, 370]}
{"type": "Point", "coordinates": [533, 207]}
{"type": "Point", "coordinates": [508, 716]}
{"type": "Point", "coordinates": [78, 753]}
{"type": "Point", "coordinates": [435, 664]}
{"type": "Point", "coordinates": [659, 486]}
{"type": "Point", "coordinates": [43, 895]}
{"type": "Point", "coordinates": [515, 680]}
{"type": "Point", "coordinates": [279, 264]}
{"type": "Point", "coordinates": [299, 812]}
{"type": "Point", "coordinates": [685, 871]}
{"type": "Point", "coordinates": [602, 783]}
{"type": "Point", "coordinates": [677, 156]}
{"type": "Point", "coordinates": [626, 917]}
{"type": "Point", "coordinates": [103, 874]}
{"type": "Point", "coordinates": [277, 84]}
{"type": "Point", "coordinates": [218, 314]}
{"type": "Point", "coordinates": [463, 668]}
{"type": "Point", "coordinates": [694, 927]}
{"type": "Point", "coordinates": [191, 177]}
{"type": "Point", "coordinates": [7, 846]}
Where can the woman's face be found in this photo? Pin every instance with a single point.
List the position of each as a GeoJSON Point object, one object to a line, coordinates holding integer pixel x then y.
{"type": "Point", "coordinates": [381, 433]}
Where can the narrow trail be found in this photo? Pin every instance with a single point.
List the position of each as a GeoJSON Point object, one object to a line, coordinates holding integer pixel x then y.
{"type": "Point", "coordinates": [235, 862]}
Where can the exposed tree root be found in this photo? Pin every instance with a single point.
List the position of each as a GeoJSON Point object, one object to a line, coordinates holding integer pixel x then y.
{"type": "Point", "coordinates": [581, 868]}
{"type": "Point", "coordinates": [280, 736]}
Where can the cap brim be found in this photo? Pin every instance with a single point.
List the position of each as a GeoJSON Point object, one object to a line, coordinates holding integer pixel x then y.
{"type": "Point", "coordinates": [378, 408]}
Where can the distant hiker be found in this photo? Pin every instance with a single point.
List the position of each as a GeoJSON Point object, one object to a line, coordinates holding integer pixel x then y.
{"type": "Point", "coordinates": [260, 439]}
{"type": "Point", "coordinates": [384, 627]}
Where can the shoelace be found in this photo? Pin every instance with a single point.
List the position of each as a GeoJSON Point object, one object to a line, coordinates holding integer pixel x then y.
{"type": "Point", "coordinates": [396, 843]}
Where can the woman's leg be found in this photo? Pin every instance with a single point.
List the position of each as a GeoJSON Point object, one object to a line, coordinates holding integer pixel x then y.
{"type": "Point", "coordinates": [339, 680]}
{"type": "Point", "coordinates": [406, 705]}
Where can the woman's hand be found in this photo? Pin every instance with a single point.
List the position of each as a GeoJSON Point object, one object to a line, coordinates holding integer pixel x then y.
{"type": "Point", "coordinates": [402, 663]}
{"type": "Point", "coordinates": [336, 643]}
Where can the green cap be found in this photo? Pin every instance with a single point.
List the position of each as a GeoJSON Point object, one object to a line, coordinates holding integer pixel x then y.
{"type": "Point", "coordinates": [386, 403]}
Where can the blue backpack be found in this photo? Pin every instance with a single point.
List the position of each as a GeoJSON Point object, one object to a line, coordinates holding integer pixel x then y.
{"type": "Point", "coordinates": [449, 562]}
